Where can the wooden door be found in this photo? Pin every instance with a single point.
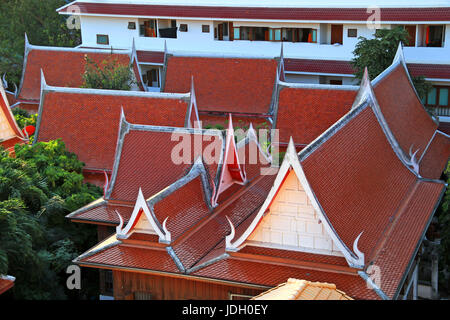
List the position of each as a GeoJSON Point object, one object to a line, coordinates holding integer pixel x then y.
{"type": "Point", "coordinates": [412, 36]}
{"type": "Point", "coordinates": [221, 31]}
{"type": "Point", "coordinates": [337, 33]}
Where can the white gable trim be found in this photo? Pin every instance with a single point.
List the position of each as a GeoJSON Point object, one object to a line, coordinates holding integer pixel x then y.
{"type": "Point", "coordinates": [141, 204]}
{"type": "Point", "coordinates": [291, 161]}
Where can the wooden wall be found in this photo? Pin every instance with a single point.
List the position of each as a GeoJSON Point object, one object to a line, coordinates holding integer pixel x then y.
{"type": "Point", "coordinates": [127, 284]}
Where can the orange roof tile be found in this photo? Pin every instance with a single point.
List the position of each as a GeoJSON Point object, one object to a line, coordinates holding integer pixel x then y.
{"type": "Point", "coordinates": [224, 84]}
{"type": "Point", "coordinates": [305, 113]}
{"type": "Point", "coordinates": [52, 61]}
{"type": "Point", "coordinates": [88, 120]}
{"type": "Point", "coordinates": [295, 289]}
{"type": "Point", "coordinates": [6, 283]}
{"type": "Point", "coordinates": [403, 111]}
{"type": "Point", "coordinates": [435, 159]}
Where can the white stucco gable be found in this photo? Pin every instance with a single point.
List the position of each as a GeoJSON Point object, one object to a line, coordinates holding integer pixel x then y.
{"type": "Point", "coordinates": [291, 218]}
{"type": "Point", "coordinates": [292, 222]}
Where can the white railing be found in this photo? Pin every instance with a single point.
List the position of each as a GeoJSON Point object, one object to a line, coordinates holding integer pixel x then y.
{"type": "Point", "coordinates": [247, 48]}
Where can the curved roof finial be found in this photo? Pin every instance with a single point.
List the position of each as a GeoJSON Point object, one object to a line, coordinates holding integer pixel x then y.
{"type": "Point", "coordinates": [413, 162]}
{"type": "Point", "coordinates": [230, 237]}
{"type": "Point", "coordinates": [119, 228]}
{"type": "Point", "coordinates": [359, 254]}
{"type": "Point", "coordinates": [5, 83]}
{"type": "Point", "coordinates": [166, 231]}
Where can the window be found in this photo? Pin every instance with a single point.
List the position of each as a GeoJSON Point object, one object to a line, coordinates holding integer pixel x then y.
{"type": "Point", "coordinates": [132, 25]}
{"type": "Point", "coordinates": [336, 82]}
{"type": "Point", "coordinates": [151, 78]}
{"type": "Point", "coordinates": [237, 296]}
{"type": "Point", "coordinates": [434, 36]}
{"type": "Point", "coordinates": [173, 23]}
{"type": "Point", "coordinates": [225, 29]}
{"type": "Point", "coordinates": [205, 28]}
{"type": "Point", "coordinates": [237, 33]}
{"type": "Point", "coordinates": [183, 27]}
{"type": "Point", "coordinates": [142, 295]}
{"type": "Point", "coordinates": [102, 39]}
{"type": "Point", "coordinates": [352, 33]}
{"type": "Point", "coordinates": [148, 29]}
{"type": "Point", "coordinates": [437, 97]}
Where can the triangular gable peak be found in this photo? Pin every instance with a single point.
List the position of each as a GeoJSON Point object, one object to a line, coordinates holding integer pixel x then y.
{"type": "Point", "coordinates": [8, 125]}
{"type": "Point", "coordinates": [281, 70]}
{"type": "Point", "coordinates": [209, 144]}
{"type": "Point", "coordinates": [192, 118]}
{"type": "Point", "coordinates": [144, 219]}
{"type": "Point", "coordinates": [137, 70]}
{"type": "Point", "coordinates": [315, 234]}
{"type": "Point", "coordinates": [233, 170]}
{"type": "Point", "coordinates": [366, 95]}
{"type": "Point", "coordinates": [399, 59]}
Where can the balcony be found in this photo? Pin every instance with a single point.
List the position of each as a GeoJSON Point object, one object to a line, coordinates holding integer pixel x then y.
{"type": "Point", "coordinates": [263, 49]}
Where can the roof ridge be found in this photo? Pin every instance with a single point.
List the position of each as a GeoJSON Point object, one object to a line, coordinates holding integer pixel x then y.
{"type": "Point", "coordinates": [125, 93]}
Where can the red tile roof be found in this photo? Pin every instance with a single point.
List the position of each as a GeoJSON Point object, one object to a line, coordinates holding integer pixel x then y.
{"type": "Point", "coordinates": [295, 255]}
{"type": "Point", "coordinates": [318, 66]}
{"type": "Point", "coordinates": [315, 66]}
{"type": "Point", "coordinates": [125, 256]}
{"type": "Point", "coordinates": [370, 178]}
{"type": "Point", "coordinates": [403, 111]}
{"type": "Point", "coordinates": [243, 203]}
{"type": "Point", "coordinates": [11, 98]}
{"type": "Point", "coordinates": [146, 161]}
{"type": "Point", "coordinates": [88, 120]}
{"type": "Point", "coordinates": [371, 192]}
{"type": "Point", "coordinates": [212, 120]}
{"type": "Point", "coordinates": [6, 283]}
{"type": "Point", "coordinates": [436, 157]}
{"type": "Point", "coordinates": [224, 84]}
{"type": "Point", "coordinates": [444, 127]}
{"type": "Point", "coordinates": [150, 56]}
{"type": "Point", "coordinates": [10, 133]}
{"type": "Point", "coordinates": [401, 243]}
{"type": "Point", "coordinates": [103, 214]}
{"type": "Point", "coordinates": [257, 273]}
{"type": "Point", "coordinates": [430, 71]}
{"type": "Point", "coordinates": [264, 13]}
{"type": "Point", "coordinates": [305, 113]}
{"type": "Point", "coordinates": [52, 61]}
{"type": "Point", "coordinates": [184, 208]}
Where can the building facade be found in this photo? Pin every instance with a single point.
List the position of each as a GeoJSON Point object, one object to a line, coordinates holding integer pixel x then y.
{"type": "Point", "coordinates": [319, 37]}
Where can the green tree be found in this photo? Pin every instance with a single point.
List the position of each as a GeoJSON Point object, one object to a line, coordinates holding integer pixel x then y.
{"type": "Point", "coordinates": [40, 21]}
{"type": "Point", "coordinates": [377, 54]}
{"type": "Point", "coordinates": [444, 230]}
{"type": "Point", "coordinates": [109, 75]}
{"type": "Point", "coordinates": [38, 187]}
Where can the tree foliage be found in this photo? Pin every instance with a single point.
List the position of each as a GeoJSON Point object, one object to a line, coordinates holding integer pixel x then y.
{"type": "Point", "coordinates": [40, 21]}
{"type": "Point", "coordinates": [444, 230]}
{"type": "Point", "coordinates": [378, 53]}
{"type": "Point", "coordinates": [38, 187]}
{"type": "Point", "coordinates": [109, 75]}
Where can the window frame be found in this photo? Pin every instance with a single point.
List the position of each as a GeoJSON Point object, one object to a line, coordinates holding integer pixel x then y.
{"type": "Point", "coordinates": [103, 35]}
{"type": "Point", "coordinates": [183, 26]}
{"type": "Point", "coordinates": [204, 27]}
{"type": "Point", "coordinates": [438, 95]}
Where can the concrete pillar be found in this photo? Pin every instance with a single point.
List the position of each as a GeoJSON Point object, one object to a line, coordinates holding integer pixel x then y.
{"type": "Point", "coordinates": [435, 269]}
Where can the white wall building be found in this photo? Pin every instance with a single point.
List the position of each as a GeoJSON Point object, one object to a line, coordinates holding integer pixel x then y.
{"type": "Point", "coordinates": [318, 36]}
